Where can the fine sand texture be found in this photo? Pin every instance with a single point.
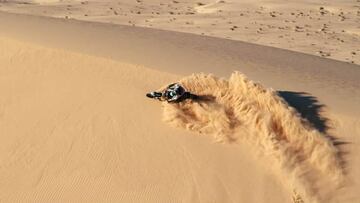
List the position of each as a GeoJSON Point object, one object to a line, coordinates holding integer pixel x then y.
{"type": "Point", "coordinates": [329, 29]}
{"type": "Point", "coordinates": [75, 124]}
{"type": "Point", "coordinates": [76, 128]}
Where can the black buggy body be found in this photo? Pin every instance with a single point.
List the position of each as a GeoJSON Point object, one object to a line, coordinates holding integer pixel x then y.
{"type": "Point", "coordinates": [173, 93]}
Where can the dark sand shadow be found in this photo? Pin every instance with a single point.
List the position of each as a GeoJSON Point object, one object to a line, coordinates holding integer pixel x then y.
{"type": "Point", "coordinates": [311, 109]}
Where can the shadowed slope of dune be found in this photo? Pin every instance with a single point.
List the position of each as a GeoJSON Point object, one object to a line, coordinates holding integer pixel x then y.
{"type": "Point", "coordinates": [239, 110]}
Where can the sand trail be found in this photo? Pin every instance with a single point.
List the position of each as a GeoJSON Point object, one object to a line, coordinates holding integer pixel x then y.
{"type": "Point", "coordinates": [238, 110]}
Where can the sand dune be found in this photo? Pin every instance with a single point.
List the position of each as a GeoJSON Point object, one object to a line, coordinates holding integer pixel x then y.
{"type": "Point", "coordinates": [75, 124]}
{"type": "Point", "coordinates": [79, 128]}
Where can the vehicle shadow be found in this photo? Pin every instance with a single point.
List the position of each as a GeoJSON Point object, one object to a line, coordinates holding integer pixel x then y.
{"type": "Point", "coordinates": [309, 108]}
{"type": "Point", "coordinates": [312, 110]}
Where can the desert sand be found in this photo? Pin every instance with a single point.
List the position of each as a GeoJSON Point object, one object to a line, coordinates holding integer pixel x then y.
{"type": "Point", "coordinates": [329, 29]}
{"type": "Point", "coordinates": [271, 125]}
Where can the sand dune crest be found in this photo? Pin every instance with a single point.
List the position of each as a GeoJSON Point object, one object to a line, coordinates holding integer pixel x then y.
{"type": "Point", "coordinates": [238, 110]}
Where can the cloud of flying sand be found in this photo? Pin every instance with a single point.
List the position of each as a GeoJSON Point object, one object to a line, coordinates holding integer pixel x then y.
{"type": "Point", "coordinates": [241, 111]}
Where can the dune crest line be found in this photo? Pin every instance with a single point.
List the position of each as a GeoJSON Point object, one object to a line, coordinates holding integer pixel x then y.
{"type": "Point", "coordinates": [239, 110]}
